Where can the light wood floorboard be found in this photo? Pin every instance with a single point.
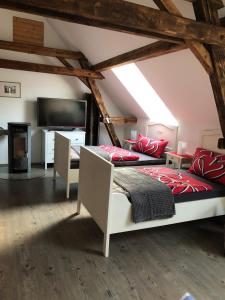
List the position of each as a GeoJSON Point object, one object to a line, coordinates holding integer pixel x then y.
{"type": "Point", "coordinates": [47, 252]}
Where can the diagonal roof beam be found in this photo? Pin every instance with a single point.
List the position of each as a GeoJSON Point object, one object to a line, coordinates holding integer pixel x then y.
{"type": "Point", "coordinates": [123, 16]}
{"type": "Point", "coordinates": [101, 106]}
{"type": "Point", "coordinates": [197, 48]}
{"type": "Point", "coordinates": [152, 50]}
{"type": "Point", "coordinates": [91, 84]}
{"type": "Point", "coordinates": [207, 12]}
{"type": "Point", "coordinates": [70, 67]}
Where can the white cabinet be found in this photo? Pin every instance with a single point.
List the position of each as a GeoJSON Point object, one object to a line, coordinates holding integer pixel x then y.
{"type": "Point", "coordinates": [48, 140]}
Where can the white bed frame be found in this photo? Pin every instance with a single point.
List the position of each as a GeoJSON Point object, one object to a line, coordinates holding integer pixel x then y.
{"type": "Point", "coordinates": [163, 131]}
{"type": "Point", "coordinates": [62, 159]}
{"type": "Point", "coordinates": [112, 211]}
{"type": "Point", "coordinates": [62, 154]}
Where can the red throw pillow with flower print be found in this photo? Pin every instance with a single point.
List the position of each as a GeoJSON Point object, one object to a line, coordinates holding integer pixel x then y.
{"type": "Point", "coordinates": [201, 151]}
{"type": "Point", "coordinates": [142, 141]}
{"type": "Point", "coordinates": [118, 154]}
{"type": "Point", "coordinates": [209, 167]}
{"type": "Point", "coordinates": [149, 146]}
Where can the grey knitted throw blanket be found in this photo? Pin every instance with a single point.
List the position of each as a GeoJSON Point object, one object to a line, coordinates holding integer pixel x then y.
{"type": "Point", "coordinates": [95, 149]}
{"type": "Point", "coordinates": [150, 198]}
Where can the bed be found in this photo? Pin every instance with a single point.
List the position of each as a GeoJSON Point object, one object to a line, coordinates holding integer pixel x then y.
{"type": "Point", "coordinates": [62, 161]}
{"type": "Point", "coordinates": [112, 210]}
{"type": "Point", "coordinates": [68, 167]}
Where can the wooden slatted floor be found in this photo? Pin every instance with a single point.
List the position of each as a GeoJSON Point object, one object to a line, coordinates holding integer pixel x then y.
{"type": "Point", "coordinates": [46, 252]}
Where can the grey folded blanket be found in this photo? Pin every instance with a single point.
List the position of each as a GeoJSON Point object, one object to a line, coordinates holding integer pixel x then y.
{"type": "Point", "coordinates": [95, 149]}
{"type": "Point", "coordinates": [150, 198]}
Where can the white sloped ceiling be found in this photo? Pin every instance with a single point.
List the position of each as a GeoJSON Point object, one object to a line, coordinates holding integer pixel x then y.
{"type": "Point", "coordinates": [178, 78]}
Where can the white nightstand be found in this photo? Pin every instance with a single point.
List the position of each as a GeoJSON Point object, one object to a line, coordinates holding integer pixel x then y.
{"type": "Point", "coordinates": [178, 160]}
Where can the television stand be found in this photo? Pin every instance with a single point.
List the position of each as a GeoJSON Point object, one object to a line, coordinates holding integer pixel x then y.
{"type": "Point", "coordinates": [77, 138]}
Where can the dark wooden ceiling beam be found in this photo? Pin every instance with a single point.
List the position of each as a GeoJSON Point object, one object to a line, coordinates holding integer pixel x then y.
{"type": "Point", "coordinates": [222, 21]}
{"type": "Point", "coordinates": [70, 67]}
{"type": "Point", "coordinates": [122, 16]}
{"type": "Point", "coordinates": [65, 63]}
{"type": "Point", "coordinates": [197, 48]}
{"type": "Point", "coordinates": [152, 50]}
{"type": "Point", "coordinates": [41, 68]}
{"type": "Point", "coordinates": [217, 3]}
{"type": "Point", "coordinates": [39, 50]}
{"type": "Point", "coordinates": [169, 6]}
{"type": "Point", "coordinates": [206, 11]}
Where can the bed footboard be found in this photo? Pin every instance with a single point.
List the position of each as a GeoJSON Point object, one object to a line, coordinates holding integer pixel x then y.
{"type": "Point", "coordinates": [94, 190]}
{"type": "Point", "coordinates": [62, 155]}
{"type": "Point", "coordinates": [62, 161]}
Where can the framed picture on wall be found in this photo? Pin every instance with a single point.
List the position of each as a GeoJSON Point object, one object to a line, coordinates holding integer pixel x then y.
{"type": "Point", "coordinates": [10, 89]}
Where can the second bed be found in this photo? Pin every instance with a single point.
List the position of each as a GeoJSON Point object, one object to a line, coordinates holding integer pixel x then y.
{"type": "Point", "coordinates": [112, 210]}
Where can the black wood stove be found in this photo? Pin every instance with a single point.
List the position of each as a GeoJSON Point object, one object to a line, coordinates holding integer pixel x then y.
{"type": "Point", "coordinates": [19, 147]}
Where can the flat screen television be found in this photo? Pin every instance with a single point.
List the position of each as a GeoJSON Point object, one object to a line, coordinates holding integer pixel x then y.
{"type": "Point", "coordinates": [61, 113]}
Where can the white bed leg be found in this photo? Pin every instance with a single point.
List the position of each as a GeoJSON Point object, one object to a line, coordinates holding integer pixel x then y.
{"type": "Point", "coordinates": [67, 190]}
{"type": "Point", "coordinates": [106, 244]}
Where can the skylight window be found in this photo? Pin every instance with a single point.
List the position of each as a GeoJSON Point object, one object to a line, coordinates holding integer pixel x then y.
{"type": "Point", "coordinates": [143, 93]}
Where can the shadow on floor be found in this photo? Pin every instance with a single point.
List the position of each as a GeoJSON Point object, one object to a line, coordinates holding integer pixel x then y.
{"type": "Point", "coordinates": [17, 193]}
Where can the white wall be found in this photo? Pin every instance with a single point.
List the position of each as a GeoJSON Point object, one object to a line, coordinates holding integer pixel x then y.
{"type": "Point", "coordinates": [23, 109]}
{"type": "Point", "coordinates": [35, 85]}
{"type": "Point", "coordinates": [184, 86]}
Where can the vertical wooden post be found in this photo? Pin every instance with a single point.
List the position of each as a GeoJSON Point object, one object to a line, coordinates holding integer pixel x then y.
{"type": "Point", "coordinates": [207, 12]}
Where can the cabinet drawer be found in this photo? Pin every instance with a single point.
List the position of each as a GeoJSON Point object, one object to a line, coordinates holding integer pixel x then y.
{"type": "Point", "coordinates": [79, 139]}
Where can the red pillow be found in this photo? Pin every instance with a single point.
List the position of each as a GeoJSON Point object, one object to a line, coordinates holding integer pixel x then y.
{"type": "Point", "coordinates": [142, 141]}
{"type": "Point", "coordinates": [209, 167]}
{"type": "Point", "coordinates": [199, 152]}
{"type": "Point", "coordinates": [149, 146]}
{"type": "Point", "coordinates": [118, 154]}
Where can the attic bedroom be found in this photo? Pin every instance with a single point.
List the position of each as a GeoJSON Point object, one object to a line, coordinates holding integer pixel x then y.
{"type": "Point", "coordinates": [112, 127]}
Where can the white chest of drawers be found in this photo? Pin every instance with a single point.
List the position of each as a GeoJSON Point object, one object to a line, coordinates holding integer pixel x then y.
{"type": "Point", "coordinates": [48, 140]}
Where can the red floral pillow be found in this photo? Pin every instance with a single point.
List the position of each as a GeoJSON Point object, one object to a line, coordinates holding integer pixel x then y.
{"type": "Point", "coordinates": [142, 141]}
{"type": "Point", "coordinates": [118, 154]}
{"type": "Point", "coordinates": [149, 146]}
{"type": "Point", "coordinates": [201, 151]}
{"type": "Point", "coordinates": [209, 167]}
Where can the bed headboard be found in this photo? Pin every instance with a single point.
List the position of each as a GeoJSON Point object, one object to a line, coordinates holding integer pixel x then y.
{"type": "Point", "coordinates": [162, 131]}
{"type": "Point", "coordinates": [209, 140]}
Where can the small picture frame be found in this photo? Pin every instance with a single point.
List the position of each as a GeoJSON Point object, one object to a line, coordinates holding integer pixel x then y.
{"type": "Point", "coordinates": [10, 89]}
